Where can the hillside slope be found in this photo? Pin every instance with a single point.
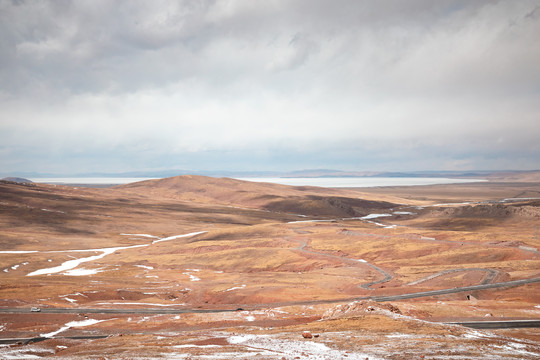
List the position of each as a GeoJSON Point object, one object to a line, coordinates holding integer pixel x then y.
{"type": "Point", "coordinates": [305, 200]}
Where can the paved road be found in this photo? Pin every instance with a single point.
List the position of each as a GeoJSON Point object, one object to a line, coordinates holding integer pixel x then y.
{"type": "Point", "coordinates": [472, 324]}
{"type": "Point", "coordinates": [507, 324]}
{"type": "Point", "coordinates": [25, 341]}
{"type": "Point", "coordinates": [505, 284]}
{"type": "Point", "coordinates": [142, 311]}
{"type": "Point", "coordinates": [491, 275]}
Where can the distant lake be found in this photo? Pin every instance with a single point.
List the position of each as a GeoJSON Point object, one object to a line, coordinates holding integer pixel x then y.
{"type": "Point", "coordinates": [322, 181]}
{"type": "Point", "coordinates": [360, 181]}
{"type": "Point", "coordinates": [89, 180]}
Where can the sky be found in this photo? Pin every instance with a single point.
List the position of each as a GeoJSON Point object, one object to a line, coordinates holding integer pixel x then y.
{"type": "Point", "coordinates": [246, 85]}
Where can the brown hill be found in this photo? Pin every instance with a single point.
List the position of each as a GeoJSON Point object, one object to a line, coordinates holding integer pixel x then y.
{"type": "Point", "coordinates": [304, 200]}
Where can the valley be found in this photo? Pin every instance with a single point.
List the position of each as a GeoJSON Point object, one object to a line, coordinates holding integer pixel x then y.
{"type": "Point", "coordinates": [217, 268]}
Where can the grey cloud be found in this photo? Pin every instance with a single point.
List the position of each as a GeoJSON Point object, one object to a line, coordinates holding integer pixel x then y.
{"type": "Point", "coordinates": [189, 78]}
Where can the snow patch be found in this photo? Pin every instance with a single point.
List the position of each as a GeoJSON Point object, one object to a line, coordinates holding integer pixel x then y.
{"type": "Point", "coordinates": [135, 303]}
{"type": "Point", "coordinates": [192, 277]}
{"type": "Point", "coordinates": [374, 216]}
{"type": "Point", "coordinates": [178, 236]}
{"type": "Point", "coordinates": [82, 272]}
{"type": "Point", "coordinates": [236, 287]}
{"type": "Point", "coordinates": [71, 264]}
{"type": "Point", "coordinates": [71, 324]}
{"type": "Point", "coordinates": [56, 211]}
{"type": "Point", "coordinates": [309, 221]}
{"type": "Point", "coordinates": [195, 346]}
{"type": "Point", "coordinates": [291, 348]}
{"type": "Point", "coordinates": [142, 235]}
{"type": "Point", "coordinates": [145, 267]}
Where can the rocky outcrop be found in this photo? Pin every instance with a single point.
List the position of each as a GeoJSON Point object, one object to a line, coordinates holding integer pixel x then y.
{"type": "Point", "coordinates": [359, 308]}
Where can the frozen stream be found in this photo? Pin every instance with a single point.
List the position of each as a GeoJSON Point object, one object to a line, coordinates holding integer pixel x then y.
{"type": "Point", "coordinates": [72, 264]}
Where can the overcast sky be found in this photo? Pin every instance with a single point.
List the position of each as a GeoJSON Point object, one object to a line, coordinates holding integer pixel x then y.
{"type": "Point", "coordinates": [398, 85]}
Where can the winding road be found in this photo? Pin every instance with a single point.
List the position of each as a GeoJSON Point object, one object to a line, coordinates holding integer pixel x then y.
{"type": "Point", "coordinates": [421, 294]}
{"type": "Point", "coordinates": [355, 262]}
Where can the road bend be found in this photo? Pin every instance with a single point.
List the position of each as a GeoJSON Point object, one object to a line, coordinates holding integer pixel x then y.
{"type": "Point", "coordinates": [414, 295]}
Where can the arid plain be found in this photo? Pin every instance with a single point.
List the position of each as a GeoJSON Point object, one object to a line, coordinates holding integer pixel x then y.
{"type": "Point", "coordinates": [194, 267]}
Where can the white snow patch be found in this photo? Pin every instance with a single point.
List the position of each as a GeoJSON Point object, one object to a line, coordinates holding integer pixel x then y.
{"type": "Point", "coordinates": [250, 318]}
{"type": "Point", "coordinates": [450, 204]}
{"type": "Point", "coordinates": [69, 299]}
{"type": "Point", "coordinates": [195, 346]}
{"type": "Point", "coordinates": [71, 324]}
{"type": "Point", "coordinates": [374, 216]}
{"type": "Point", "coordinates": [309, 221]}
{"type": "Point", "coordinates": [236, 287]}
{"type": "Point", "coordinates": [82, 272]}
{"type": "Point", "coordinates": [178, 236]}
{"type": "Point", "coordinates": [23, 354]}
{"type": "Point", "coordinates": [404, 213]}
{"type": "Point", "coordinates": [392, 336]}
{"type": "Point", "coordinates": [514, 348]}
{"type": "Point", "coordinates": [519, 199]}
{"type": "Point", "coordinates": [239, 339]}
{"type": "Point", "coordinates": [192, 277]}
{"type": "Point", "coordinates": [142, 235]}
{"type": "Point", "coordinates": [291, 348]}
{"type": "Point", "coordinates": [145, 267]}
{"type": "Point", "coordinates": [71, 264]}
{"type": "Point", "coordinates": [135, 303]}
{"type": "Point", "coordinates": [362, 260]}
{"type": "Point", "coordinates": [56, 211]}
{"type": "Point", "coordinates": [474, 334]}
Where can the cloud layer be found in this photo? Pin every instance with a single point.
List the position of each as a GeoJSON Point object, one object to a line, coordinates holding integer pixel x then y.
{"type": "Point", "coordinates": [237, 85]}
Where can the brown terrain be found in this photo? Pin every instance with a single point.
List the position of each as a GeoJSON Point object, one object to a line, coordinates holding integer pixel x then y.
{"type": "Point", "coordinates": [193, 267]}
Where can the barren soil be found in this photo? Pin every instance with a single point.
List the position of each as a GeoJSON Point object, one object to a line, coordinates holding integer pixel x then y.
{"type": "Point", "coordinates": [209, 268]}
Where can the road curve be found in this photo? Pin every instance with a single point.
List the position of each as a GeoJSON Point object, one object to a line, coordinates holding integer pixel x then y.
{"type": "Point", "coordinates": [355, 262]}
{"type": "Point", "coordinates": [489, 278]}
{"type": "Point", "coordinates": [505, 324]}
{"type": "Point", "coordinates": [505, 284]}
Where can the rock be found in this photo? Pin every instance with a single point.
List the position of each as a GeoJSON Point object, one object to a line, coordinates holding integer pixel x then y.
{"type": "Point", "coordinates": [307, 335]}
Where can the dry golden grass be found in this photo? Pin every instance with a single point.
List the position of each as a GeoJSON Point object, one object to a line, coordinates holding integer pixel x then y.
{"type": "Point", "coordinates": [252, 256]}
